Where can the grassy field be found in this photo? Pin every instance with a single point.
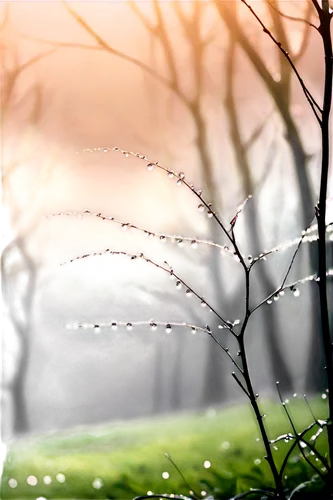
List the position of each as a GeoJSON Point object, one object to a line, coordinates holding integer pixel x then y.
{"type": "Point", "coordinates": [218, 452]}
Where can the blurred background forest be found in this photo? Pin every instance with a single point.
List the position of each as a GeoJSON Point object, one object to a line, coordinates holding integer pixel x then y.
{"type": "Point", "coordinates": [198, 87]}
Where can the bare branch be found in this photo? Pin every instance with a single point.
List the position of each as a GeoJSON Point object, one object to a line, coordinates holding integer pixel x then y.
{"type": "Point", "coordinates": [316, 5]}
{"type": "Point", "coordinates": [103, 45]}
{"type": "Point", "coordinates": [144, 20]}
{"type": "Point", "coordinates": [180, 181]}
{"type": "Point", "coordinates": [194, 242]}
{"type": "Point", "coordinates": [294, 18]}
{"type": "Point", "coordinates": [256, 133]}
{"type": "Point", "coordinates": [306, 35]}
{"type": "Point", "coordinates": [167, 269]}
{"type": "Point", "coordinates": [268, 165]}
{"type": "Point", "coordinates": [312, 102]}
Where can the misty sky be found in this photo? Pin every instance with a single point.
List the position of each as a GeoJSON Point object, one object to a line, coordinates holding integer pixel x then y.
{"type": "Point", "coordinates": [93, 99]}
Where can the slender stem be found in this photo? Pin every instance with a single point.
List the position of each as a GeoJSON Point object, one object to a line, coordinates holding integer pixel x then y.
{"type": "Point", "coordinates": [259, 417]}
{"type": "Point", "coordinates": [297, 438]}
{"type": "Point", "coordinates": [269, 455]}
{"type": "Point", "coordinates": [324, 29]}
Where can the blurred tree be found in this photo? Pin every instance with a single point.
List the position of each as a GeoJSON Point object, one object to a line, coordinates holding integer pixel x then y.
{"type": "Point", "coordinates": [18, 267]}
{"type": "Point", "coordinates": [192, 97]}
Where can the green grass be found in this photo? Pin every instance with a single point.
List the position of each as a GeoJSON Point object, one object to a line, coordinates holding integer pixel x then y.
{"type": "Point", "coordinates": [128, 457]}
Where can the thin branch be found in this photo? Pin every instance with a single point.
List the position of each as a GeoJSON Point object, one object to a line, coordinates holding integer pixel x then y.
{"type": "Point", "coordinates": [180, 181]}
{"type": "Point", "coordinates": [268, 166]}
{"type": "Point", "coordinates": [312, 102]}
{"type": "Point", "coordinates": [168, 270]}
{"type": "Point", "coordinates": [145, 21]}
{"type": "Point", "coordinates": [181, 475]}
{"type": "Point", "coordinates": [256, 133]}
{"type": "Point", "coordinates": [297, 436]}
{"type": "Point", "coordinates": [161, 236]}
{"type": "Point", "coordinates": [294, 18]}
{"type": "Point", "coordinates": [316, 5]}
{"type": "Point", "coordinates": [306, 35]}
{"type": "Point", "coordinates": [103, 45]}
{"type": "Point", "coordinates": [291, 286]}
{"type": "Point", "coordinates": [298, 488]}
{"type": "Point", "coordinates": [294, 256]}
{"type": "Point", "coordinates": [165, 40]}
{"type": "Point", "coordinates": [194, 241]}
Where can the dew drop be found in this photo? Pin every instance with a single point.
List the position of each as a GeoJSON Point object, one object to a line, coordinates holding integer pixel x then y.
{"type": "Point", "coordinates": [282, 293]}
{"type": "Point", "coordinates": [303, 444]}
{"type": "Point", "coordinates": [180, 242]}
{"type": "Point", "coordinates": [178, 284]}
{"type": "Point", "coordinates": [295, 395]}
{"type": "Point", "coordinates": [181, 175]}
{"type": "Point", "coordinates": [150, 166]}
{"type": "Point", "coordinates": [203, 303]}
{"type": "Point", "coordinates": [225, 445]}
{"type": "Point", "coordinates": [276, 297]}
{"type": "Point", "coordinates": [168, 328]}
{"type": "Point", "coordinates": [124, 227]}
{"type": "Point", "coordinates": [296, 292]}
{"type": "Point", "coordinates": [105, 150]}
{"type": "Point", "coordinates": [12, 483]}
{"type": "Point", "coordinates": [47, 480]}
{"type": "Point", "coordinates": [60, 477]}
{"type": "Point", "coordinates": [269, 301]}
{"type": "Point", "coordinates": [203, 493]}
{"type": "Point", "coordinates": [165, 475]}
{"type": "Point", "coordinates": [199, 192]}
{"type": "Point", "coordinates": [193, 330]}
{"type": "Point", "coordinates": [114, 326]}
{"type": "Point", "coordinates": [188, 293]}
{"type": "Point", "coordinates": [250, 258]}
{"type": "Point", "coordinates": [323, 396]}
{"type": "Point", "coordinates": [97, 483]}
{"type": "Point", "coordinates": [97, 329]}
{"type": "Point", "coordinates": [32, 480]}
{"type": "Point", "coordinates": [170, 174]}
{"type": "Point", "coordinates": [179, 182]}
{"type": "Point", "coordinates": [194, 244]}
{"type": "Point", "coordinates": [201, 207]}
{"type": "Point", "coordinates": [257, 461]}
{"type": "Point", "coordinates": [86, 211]}
{"type": "Point", "coordinates": [153, 326]}
{"type": "Point", "coordinates": [210, 214]}
{"type": "Point", "coordinates": [163, 238]}
{"type": "Point", "coordinates": [129, 327]}
{"type": "Point", "coordinates": [126, 154]}
{"type": "Point", "coordinates": [207, 464]}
